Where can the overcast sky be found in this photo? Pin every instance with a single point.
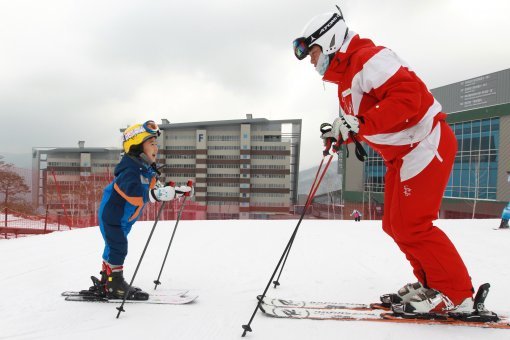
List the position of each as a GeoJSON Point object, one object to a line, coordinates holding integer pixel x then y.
{"type": "Point", "coordinates": [80, 70]}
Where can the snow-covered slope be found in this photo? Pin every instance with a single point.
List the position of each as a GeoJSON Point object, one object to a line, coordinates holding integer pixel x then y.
{"type": "Point", "coordinates": [229, 263]}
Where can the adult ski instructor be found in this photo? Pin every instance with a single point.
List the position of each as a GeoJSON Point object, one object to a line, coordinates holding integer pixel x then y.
{"type": "Point", "coordinates": [386, 105]}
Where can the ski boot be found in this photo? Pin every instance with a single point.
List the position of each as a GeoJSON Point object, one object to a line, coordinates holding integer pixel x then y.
{"type": "Point", "coordinates": [98, 285]}
{"type": "Point", "coordinates": [116, 287]}
{"type": "Point", "coordinates": [504, 224]}
{"type": "Point", "coordinates": [431, 304]}
{"type": "Point", "coordinates": [432, 301]}
{"type": "Point", "coordinates": [403, 295]}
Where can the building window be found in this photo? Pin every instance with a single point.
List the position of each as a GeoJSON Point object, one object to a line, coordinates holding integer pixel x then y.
{"type": "Point", "coordinates": [374, 171]}
{"type": "Point", "coordinates": [180, 147]}
{"type": "Point", "coordinates": [223, 147]}
{"type": "Point", "coordinates": [474, 173]}
{"type": "Point", "coordinates": [223, 138]}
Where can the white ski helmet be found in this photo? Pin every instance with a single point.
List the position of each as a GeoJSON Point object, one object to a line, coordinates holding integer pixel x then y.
{"type": "Point", "coordinates": [328, 30]}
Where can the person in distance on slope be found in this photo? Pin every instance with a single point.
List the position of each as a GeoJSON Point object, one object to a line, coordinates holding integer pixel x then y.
{"type": "Point", "coordinates": [135, 184]}
{"type": "Point", "coordinates": [385, 104]}
{"type": "Point", "coordinates": [505, 216]}
{"type": "Point", "coordinates": [357, 215]}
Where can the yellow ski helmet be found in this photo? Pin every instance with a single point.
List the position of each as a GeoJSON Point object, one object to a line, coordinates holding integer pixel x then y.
{"type": "Point", "coordinates": [137, 134]}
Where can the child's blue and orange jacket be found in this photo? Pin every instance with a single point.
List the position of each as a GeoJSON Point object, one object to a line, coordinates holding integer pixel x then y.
{"type": "Point", "coordinates": [123, 199]}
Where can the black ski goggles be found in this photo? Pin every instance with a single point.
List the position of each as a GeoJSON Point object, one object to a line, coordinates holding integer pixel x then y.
{"type": "Point", "coordinates": [301, 49]}
{"type": "Point", "coordinates": [302, 45]}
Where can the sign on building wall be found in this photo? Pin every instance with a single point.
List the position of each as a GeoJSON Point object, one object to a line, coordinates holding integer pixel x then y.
{"type": "Point", "coordinates": [487, 90]}
{"type": "Point", "coordinates": [201, 140]}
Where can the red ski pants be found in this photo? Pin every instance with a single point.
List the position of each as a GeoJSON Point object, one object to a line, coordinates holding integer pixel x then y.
{"type": "Point", "coordinates": [411, 205]}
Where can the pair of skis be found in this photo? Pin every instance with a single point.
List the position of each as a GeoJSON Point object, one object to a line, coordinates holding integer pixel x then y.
{"type": "Point", "coordinates": [94, 294]}
{"type": "Point", "coordinates": [314, 310]}
{"type": "Point", "coordinates": [168, 297]}
{"type": "Point", "coordinates": [375, 315]}
{"type": "Point", "coordinates": [281, 308]}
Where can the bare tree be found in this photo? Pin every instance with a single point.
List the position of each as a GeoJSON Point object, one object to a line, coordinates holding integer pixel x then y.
{"type": "Point", "coordinates": [11, 184]}
{"type": "Point", "coordinates": [3, 165]}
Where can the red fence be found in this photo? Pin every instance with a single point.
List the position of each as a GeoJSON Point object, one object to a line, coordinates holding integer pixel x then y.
{"type": "Point", "coordinates": [15, 224]}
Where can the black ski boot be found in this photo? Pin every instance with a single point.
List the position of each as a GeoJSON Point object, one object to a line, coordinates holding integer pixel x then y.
{"type": "Point", "coordinates": [504, 224]}
{"type": "Point", "coordinates": [98, 285]}
{"type": "Point", "coordinates": [116, 287]}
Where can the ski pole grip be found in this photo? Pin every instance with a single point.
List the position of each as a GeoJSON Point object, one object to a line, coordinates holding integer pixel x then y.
{"type": "Point", "coordinates": [337, 145]}
{"type": "Point", "coordinates": [190, 184]}
{"type": "Point", "coordinates": [327, 147]}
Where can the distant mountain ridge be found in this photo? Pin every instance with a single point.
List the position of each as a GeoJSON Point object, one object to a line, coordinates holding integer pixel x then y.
{"type": "Point", "coordinates": [332, 181]}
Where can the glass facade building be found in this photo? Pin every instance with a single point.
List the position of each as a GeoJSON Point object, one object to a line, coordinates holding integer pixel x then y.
{"type": "Point", "coordinates": [474, 173]}
{"type": "Point", "coordinates": [475, 169]}
{"type": "Point", "coordinates": [374, 171]}
{"type": "Point", "coordinates": [478, 111]}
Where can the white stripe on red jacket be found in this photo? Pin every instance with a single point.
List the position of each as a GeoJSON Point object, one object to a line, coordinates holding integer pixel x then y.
{"type": "Point", "coordinates": [395, 107]}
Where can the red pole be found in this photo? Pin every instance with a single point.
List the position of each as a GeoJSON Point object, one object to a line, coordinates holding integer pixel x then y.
{"type": "Point", "coordinates": [46, 218]}
{"type": "Point", "coordinates": [60, 198]}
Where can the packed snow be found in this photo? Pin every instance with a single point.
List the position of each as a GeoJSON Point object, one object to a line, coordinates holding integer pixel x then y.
{"type": "Point", "coordinates": [228, 263]}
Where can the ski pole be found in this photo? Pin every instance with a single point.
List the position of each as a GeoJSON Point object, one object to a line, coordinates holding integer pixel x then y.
{"type": "Point", "coordinates": [186, 195]}
{"type": "Point", "coordinates": [121, 307]}
{"type": "Point", "coordinates": [307, 205]}
{"type": "Point", "coordinates": [247, 327]}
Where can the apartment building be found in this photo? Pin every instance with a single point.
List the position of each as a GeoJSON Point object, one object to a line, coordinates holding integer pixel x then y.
{"type": "Point", "coordinates": [245, 168]}
{"type": "Point", "coordinates": [70, 181]}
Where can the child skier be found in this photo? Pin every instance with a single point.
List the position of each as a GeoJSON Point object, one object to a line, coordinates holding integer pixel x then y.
{"type": "Point", "coordinates": [385, 104]}
{"type": "Point", "coordinates": [135, 184]}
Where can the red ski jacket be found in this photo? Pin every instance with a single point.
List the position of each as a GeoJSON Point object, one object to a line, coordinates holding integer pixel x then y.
{"type": "Point", "coordinates": [395, 108]}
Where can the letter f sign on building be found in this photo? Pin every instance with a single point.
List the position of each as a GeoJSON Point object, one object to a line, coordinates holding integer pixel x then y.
{"type": "Point", "coordinates": [201, 139]}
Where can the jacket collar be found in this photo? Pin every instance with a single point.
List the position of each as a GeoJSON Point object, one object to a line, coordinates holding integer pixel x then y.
{"type": "Point", "coordinates": [341, 59]}
{"type": "Point", "coordinates": [129, 161]}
